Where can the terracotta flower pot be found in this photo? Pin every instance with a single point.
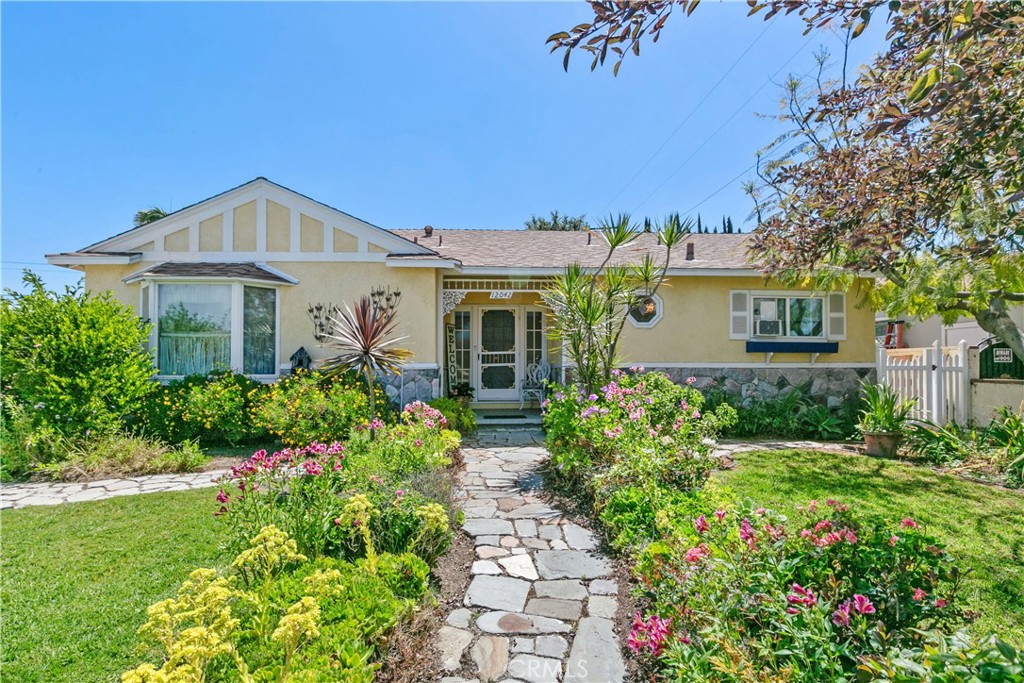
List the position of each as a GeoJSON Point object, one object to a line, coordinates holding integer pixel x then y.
{"type": "Point", "coordinates": [882, 444]}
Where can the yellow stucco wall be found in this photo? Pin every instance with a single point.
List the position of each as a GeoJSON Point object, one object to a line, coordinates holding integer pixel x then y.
{"type": "Point", "coordinates": [344, 242]}
{"type": "Point", "coordinates": [177, 241]}
{"type": "Point", "coordinates": [312, 234]}
{"type": "Point", "coordinates": [211, 234]}
{"type": "Point", "coordinates": [341, 283]}
{"type": "Point", "coordinates": [377, 249]}
{"type": "Point", "coordinates": [695, 327]}
{"type": "Point", "coordinates": [244, 227]}
{"type": "Point", "coordinates": [278, 227]}
{"type": "Point", "coordinates": [100, 279]}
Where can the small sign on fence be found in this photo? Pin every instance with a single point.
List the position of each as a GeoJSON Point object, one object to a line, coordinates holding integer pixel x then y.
{"type": "Point", "coordinates": [1002, 355]}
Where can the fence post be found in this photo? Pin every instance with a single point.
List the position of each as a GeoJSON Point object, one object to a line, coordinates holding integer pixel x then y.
{"type": "Point", "coordinates": [965, 384]}
{"type": "Point", "coordinates": [938, 385]}
{"type": "Point", "coordinates": [881, 376]}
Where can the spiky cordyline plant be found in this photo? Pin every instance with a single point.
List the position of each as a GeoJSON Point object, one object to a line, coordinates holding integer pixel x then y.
{"type": "Point", "coordinates": [364, 341]}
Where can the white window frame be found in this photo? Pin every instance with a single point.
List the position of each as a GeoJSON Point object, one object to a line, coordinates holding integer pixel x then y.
{"type": "Point", "coordinates": [238, 286]}
{"type": "Point", "coordinates": [831, 318]}
{"type": "Point", "coordinates": [659, 312]}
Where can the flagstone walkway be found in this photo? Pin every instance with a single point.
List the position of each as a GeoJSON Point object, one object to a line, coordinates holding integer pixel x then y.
{"type": "Point", "coordinates": [540, 607]}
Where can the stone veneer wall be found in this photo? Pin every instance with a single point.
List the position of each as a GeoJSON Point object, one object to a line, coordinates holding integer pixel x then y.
{"type": "Point", "coordinates": [828, 385]}
{"type": "Point", "coordinates": [412, 385]}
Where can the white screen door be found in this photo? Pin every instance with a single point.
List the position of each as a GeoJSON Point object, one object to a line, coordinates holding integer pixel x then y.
{"type": "Point", "coordinates": [499, 357]}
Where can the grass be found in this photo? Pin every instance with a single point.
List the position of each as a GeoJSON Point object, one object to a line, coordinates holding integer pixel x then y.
{"type": "Point", "coordinates": [75, 580]}
{"type": "Point", "coordinates": [980, 525]}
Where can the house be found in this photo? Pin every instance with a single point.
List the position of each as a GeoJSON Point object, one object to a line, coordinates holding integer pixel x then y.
{"type": "Point", "coordinates": [227, 283]}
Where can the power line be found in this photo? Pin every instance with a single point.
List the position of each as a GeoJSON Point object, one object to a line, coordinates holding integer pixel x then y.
{"type": "Point", "coordinates": [689, 115]}
{"type": "Point", "coordinates": [724, 123]}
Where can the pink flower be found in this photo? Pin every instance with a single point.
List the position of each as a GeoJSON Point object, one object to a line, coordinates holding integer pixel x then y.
{"type": "Point", "coordinates": [893, 540]}
{"type": "Point", "coordinates": [222, 497]}
{"type": "Point", "coordinates": [823, 524]}
{"type": "Point", "coordinates": [841, 617]}
{"type": "Point", "coordinates": [940, 603]}
{"type": "Point", "coordinates": [812, 506]}
{"type": "Point", "coordinates": [761, 511]}
{"type": "Point", "coordinates": [908, 523]}
{"type": "Point", "coordinates": [863, 605]}
{"type": "Point", "coordinates": [696, 554]}
{"type": "Point", "coordinates": [919, 595]}
{"type": "Point", "coordinates": [850, 536]}
{"type": "Point", "coordinates": [802, 596]}
{"type": "Point", "coordinates": [691, 380]}
{"type": "Point", "coordinates": [747, 533]}
{"type": "Point", "coordinates": [313, 468]}
{"type": "Point", "coordinates": [419, 443]}
{"type": "Point", "coordinates": [701, 524]}
{"type": "Point", "coordinates": [648, 634]}
{"type": "Point", "coordinates": [720, 514]}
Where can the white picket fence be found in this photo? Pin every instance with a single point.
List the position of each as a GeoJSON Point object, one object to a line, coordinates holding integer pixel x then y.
{"type": "Point", "coordinates": [936, 378]}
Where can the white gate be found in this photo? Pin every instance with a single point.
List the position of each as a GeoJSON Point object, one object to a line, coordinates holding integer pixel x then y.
{"type": "Point", "coordinates": [936, 378]}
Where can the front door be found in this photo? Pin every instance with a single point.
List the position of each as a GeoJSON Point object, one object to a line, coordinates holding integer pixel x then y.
{"type": "Point", "coordinates": [498, 354]}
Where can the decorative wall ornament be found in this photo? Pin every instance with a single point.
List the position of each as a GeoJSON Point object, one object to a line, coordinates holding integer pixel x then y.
{"type": "Point", "coordinates": [451, 298]}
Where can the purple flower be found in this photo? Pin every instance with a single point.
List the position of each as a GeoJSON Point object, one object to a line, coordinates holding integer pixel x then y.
{"type": "Point", "coordinates": [701, 524]}
{"type": "Point", "coordinates": [863, 605]}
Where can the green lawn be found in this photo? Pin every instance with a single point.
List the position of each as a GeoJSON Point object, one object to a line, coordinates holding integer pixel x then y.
{"type": "Point", "coordinates": [75, 580]}
{"type": "Point", "coordinates": [983, 526]}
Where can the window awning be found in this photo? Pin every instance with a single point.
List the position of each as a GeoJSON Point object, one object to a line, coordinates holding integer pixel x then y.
{"type": "Point", "coordinates": [225, 271]}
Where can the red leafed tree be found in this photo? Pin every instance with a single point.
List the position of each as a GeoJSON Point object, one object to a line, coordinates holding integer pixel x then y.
{"type": "Point", "coordinates": [915, 170]}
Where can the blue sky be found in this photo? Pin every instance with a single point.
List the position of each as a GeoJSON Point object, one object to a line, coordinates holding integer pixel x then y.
{"type": "Point", "coordinates": [403, 114]}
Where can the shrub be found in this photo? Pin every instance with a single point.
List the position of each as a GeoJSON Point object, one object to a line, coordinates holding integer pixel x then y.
{"type": "Point", "coordinates": [792, 415]}
{"type": "Point", "coordinates": [75, 360]}
{"type": "Point", "coordinates": [997, 449]}
{"type": "Point", "coordinates": [24, 445]}
{"type": "Point", "coordinates": [459, 416]}
{"type": "Point", "coordinates": [939, 658]}
{"type": "Point", "coordinates": [745, 590]}
{"type": "Point", "coordinates": [215, 409]}
{"type": "Point", "coordinates": [276, 616]}
{"type": "Point", "coordinates": [121, 455]}
{"type": "Point", "coordinates": [307, 407]}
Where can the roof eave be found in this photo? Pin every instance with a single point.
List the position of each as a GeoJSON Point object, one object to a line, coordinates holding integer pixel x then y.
{"type": "Point", "coordinates": [79, 258]}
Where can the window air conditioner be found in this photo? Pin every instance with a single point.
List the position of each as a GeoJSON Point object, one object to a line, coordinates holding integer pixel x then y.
{"type": "Point", "coordinates": [768, 328]}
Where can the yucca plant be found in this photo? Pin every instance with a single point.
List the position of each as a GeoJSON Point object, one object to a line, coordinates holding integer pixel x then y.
{"type": "Point", "coordinates": [589, 306]}
{"type": "Point", "coordinates": [364, 339]}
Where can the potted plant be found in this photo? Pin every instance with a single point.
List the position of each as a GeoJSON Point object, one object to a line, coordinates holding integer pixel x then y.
{"type": "Point", "coordinates": [883, 420]}
{"type": "Point", "coordinates": [461, 392]}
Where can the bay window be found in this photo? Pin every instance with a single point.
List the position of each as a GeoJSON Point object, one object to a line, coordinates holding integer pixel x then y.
{"type": "Point", "coordinates": [202, 327]}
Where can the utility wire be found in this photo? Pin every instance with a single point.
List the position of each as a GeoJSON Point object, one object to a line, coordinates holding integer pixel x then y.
{"type": "Point", "coordinates": [688, 115]}
{"type": "Point", "coordinates": [724, 123]}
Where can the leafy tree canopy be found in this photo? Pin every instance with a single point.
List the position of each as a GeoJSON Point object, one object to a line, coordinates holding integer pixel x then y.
{"type": "Point", "coordinates": [914, 170]}
{"type": "Point", "coordinates": [557, 221]}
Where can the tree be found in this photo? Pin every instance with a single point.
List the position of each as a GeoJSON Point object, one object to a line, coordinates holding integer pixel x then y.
{"type": "Point", "coordinates": [915, 170]}
{"type": "Point", "coordinates": [75, 360]}
{"type": "Point", "coordinates": [148, 215]}
{"type": "Point", "coordinates": [557, 221]}
{"type": "Point", "coordinates": [362, 338]}
{"type": "Point", "coordinates": [589, 306]}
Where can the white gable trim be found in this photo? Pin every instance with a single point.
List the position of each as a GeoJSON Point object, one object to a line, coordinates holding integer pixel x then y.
{"type": "Point", "coordinates": [260, 190]}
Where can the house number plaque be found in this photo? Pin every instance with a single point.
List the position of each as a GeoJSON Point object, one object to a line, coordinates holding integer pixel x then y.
{"type": "Point", "coordinates": [501, 293]}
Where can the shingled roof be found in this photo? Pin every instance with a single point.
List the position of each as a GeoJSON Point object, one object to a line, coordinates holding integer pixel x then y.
{"type": "Point", "coordinates": [544, 249]}
{"type": "Point", "coordinates": [237, 271]}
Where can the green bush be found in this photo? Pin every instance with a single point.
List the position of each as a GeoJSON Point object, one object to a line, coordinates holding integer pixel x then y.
{"type": "Point", "coordinates": [75, 360]}
{"type": "Point", "coordinates": [996, 449]}
{"type": "Point", "coordinates": [459, 416]}
{"type": "Point", "coordinates": [278, 617]}
{"type": "Point", "coordinates": [939, 658]}
{"type": "Point", "coordinates": [788, 416]}
{"type": "Point", "coordinates": [214, 409]}
{"type": "Point", "coordinates": [307, 407]}
{"type": "Point", "coordinates": [24, 445]}
{"type": "Point", "coordinates": [118, 454]}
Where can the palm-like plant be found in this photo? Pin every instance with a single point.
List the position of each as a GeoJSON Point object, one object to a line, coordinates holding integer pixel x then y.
{"type": "Point", "coordinates": [149, 215]}
{"type": "Point", "coordinates": [589, 307]}
{"type": "Point", "coordinates": [364, 339]}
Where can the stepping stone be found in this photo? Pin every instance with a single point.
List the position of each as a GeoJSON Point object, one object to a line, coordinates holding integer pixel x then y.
{"type": "Point", "coordinates": [526, 527]}
{"type": "Point", "coordinates": [536, 669]}
{"type": "Point", "coordinates": [521, 566]}
{"type": "Point", "coordinates": [490, 654]}
{"type": "Point", "coordinates": [509, 504]}
{"type": "Point", "coordinates": [460, 618]}
{"type": "Point", "coordinates": [506, 623]}
{"type": "Point", "coordinates": [570, 564]}
{"type": "Point", "coordinates": [566, 610]}
{"type": "Point", "coordinates": [509, 542]}
{"type": "Point", "coordinates": [498, 593]}
{"type": "Point", "coordinates": [558, 544]}
{"type": "Point", "coordinates": [452, 642]}
{"type": "Point", "coordinates": [521, 644]}
{"type": "Point", "coordinates": [604, 587]}
{"type": "Point", "coordinates": [535, 543]}
{"type": "Point", "coordinates": [563, 589]}
{"type": "Point", "coordinates": [488, 527]}
{"type": "Point", "coordinates": [550, 532]}
{"type": "Point", "coordinates": [487, 540]}
{"type": "Point", "coordinates": [602, 606]}
{"type": "Point", "coordinates": [595, 656]}
{"type": "Point", "coordinates": [579, 538]}
{"type": "Point", "coordinates": [485, 567]}
{"type": "Point", "coordinates": [550, 646]}
{"type": "Point", "coordinates": [531, 510]}
{"type": "Point", "coordinates": [489, 552]}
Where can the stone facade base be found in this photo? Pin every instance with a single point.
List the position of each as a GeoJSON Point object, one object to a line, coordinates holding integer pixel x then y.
{"type": "Point", "coordinates": [412, 385]}
{"type": "Point", "coordinates": [827, 385]}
